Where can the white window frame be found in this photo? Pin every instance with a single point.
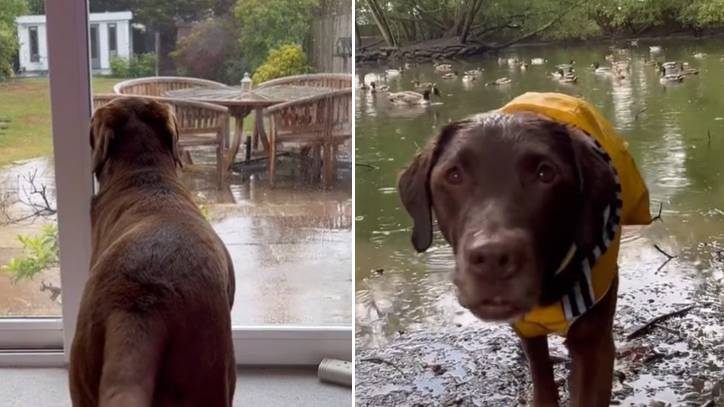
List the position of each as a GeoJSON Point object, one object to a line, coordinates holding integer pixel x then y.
{"type": "Point", "coordinates": [46, 342]}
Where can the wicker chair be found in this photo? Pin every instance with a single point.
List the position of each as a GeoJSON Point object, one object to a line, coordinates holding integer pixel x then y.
{"type": "Point", "coordinates": [159, 85]}
{"type": "Point", "coordinates": [322, 122]}
{"type": "Point", "coordinates": [319, 80]}
{"type": "Point", "coordinates": [199, 124]}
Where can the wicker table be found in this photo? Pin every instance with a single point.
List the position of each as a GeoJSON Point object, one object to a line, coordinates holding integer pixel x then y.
{"type": "Point", "coordinates": [240, 104]}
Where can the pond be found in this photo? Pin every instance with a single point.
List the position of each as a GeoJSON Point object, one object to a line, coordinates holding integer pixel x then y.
{"type": "Point", "coordinates": [675, 132]}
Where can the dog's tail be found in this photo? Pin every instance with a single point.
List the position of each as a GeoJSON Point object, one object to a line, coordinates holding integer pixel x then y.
{"type": "Point", "coordinates": [131, 358]}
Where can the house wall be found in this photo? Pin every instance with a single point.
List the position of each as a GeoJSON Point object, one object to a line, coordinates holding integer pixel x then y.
{"type": "Point", "coordinates": [24, 51]}
{"type": "Point", "coordinates": [123, 41]}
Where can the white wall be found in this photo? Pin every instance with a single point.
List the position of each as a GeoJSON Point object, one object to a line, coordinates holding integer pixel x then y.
{"type": "Point", "coordinates": [24, 40]}
{"type": "Point", "coordinates": [123, 39]}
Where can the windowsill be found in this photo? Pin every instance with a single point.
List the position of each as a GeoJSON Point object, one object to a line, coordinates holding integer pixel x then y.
{"type": "Point", "coordinates": [254, 387]}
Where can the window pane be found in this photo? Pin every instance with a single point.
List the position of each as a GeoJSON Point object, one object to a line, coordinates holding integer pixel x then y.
{"type": "Point", "coordinates": [112, 47]}
{"type": "Point", "coordinates": [29, 271]}
{"type": "Point", "coordinates": [291, 244]}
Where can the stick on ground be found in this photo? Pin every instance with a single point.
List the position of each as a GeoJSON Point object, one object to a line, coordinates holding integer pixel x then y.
{"type": "Point", "coordinates": [645, 328]}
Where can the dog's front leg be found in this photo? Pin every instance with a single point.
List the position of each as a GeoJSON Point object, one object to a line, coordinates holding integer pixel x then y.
{"type": "Point", "coordinates": [545, 393]}
{"type": "Point", "coordinates": [590, 344]}
{"type": "Point", "coordinates": [591, 370]}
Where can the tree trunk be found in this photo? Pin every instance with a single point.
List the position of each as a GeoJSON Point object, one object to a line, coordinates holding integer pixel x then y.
{"type": "Point", "coordinates": [469, 19]}
{"type": "Point", "coordinates": [381, 21]}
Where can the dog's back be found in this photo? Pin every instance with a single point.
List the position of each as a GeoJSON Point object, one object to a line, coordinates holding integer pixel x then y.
{"type": "Point", "coordinates": [154, 326]}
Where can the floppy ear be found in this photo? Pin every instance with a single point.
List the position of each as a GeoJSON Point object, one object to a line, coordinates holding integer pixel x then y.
{"type": "Point", "coordinates": [598, 188]}
{"type": "Point", "coordinates": [414, 187]}
{"type": "Point", "coordinates": [172, 130]}
{"type": "Point", "coordinates": [101, 135]}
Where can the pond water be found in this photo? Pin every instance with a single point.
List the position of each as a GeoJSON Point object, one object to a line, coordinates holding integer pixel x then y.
{"type": "Point", "coordinates": [675, 132]}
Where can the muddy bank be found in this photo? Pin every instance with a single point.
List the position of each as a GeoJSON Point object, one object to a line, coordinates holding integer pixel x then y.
{"type": "Point", "coordinates": [678, 363]}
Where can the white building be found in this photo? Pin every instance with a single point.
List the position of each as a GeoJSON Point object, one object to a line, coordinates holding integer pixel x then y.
{"type": "Point", "coordinates": [110, 35]}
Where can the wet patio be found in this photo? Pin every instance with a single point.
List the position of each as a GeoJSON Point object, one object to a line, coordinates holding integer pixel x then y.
{"type": "Point", "coordinates": [291, 245]}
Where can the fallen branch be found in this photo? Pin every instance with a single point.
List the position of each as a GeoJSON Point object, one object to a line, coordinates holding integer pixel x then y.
{"type": "Point", "coordinates": [668, 256]}
{"type": "Point", "coordinates": [644, 329]}
{"type": "Point", "coordinates": [381, 361]}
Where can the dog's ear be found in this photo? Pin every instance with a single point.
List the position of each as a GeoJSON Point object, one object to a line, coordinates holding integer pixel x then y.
{"type": "Point", "coordinates": [173, 133]}
{"type": "Point", "coordinates": [101, 135]}
{"type": "Point", "coordinates": [414, 186]}
{"type": "Point", "coordinates": [598, 188]}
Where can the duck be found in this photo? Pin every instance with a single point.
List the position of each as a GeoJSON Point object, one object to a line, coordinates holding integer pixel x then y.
{"type": "Point", "coordinates": [654, 49]}
{"type": "Point", "coordinates": [700, 55]}
{"type": "Point", "coordinates": [537, 61]}
{"type": "Point", "coordinates": [410, 98]}
{"type": "Point", "coordinates": [600, 70]}
{"type": "Point", "coordinates": [469, 78]}
{"type": "Point", "coordinates": [564, 75]}
{"type": "Point", "coordinates": [443, 68]}
{"type": "Point", "coordinates": [450, 75]}
{"type": "Point", "coordinates": [422, 85]}
{"type": "Point", "coordinates": [523, 66]}
{"type": "Point", "coordinates": [474, 72]}
{"type": "Point", "coordinates": [393, 72]}
{"type": "Point", "coordinates": [690, 71]}
{"type": "Point", "coordinates": [375, 88]}
{"type": "Point", "coordinates": [500, 81]}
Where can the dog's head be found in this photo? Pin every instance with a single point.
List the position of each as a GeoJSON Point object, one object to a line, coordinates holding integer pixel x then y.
{"type": "Point", "coordinates": [134, 131]}
{"type": "Point", "coordinates": [511, 194]}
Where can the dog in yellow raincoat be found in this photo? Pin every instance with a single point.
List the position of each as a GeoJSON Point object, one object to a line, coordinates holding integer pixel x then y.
{"type": "Point", "coordinates": [532, 198]}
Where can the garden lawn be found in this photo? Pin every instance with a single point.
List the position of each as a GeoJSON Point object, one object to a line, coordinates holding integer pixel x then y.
{"type": "Point", "coordinates": [25, 125]}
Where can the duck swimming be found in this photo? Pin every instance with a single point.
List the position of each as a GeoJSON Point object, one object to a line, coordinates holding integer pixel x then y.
{"type": "Point", "coordinates": [537, 61]}
{"type": "Point", "coordinates": [443, 68]}
{"type": "Point", "coordinates": [500, 81]}
{"type": "Point", "coordinates": [410, 98]}
{"type": "Point", "coordinates": [422, 85]}
{"type": "Point", "coordinates": [450, 75]}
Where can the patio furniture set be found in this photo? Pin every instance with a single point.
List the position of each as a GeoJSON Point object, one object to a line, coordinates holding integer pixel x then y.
{"type": "Point", "coordinates": [312, 111]}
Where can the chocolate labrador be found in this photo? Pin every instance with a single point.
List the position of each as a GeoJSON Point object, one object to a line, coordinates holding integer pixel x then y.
{"type": "Point", "coordinates": [154, 326]}
{"type": "Point", "coordinates": [511, 192]}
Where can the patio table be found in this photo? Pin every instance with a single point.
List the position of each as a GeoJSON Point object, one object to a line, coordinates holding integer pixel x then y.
{"type": "Point", "coordinates": [240, 104]}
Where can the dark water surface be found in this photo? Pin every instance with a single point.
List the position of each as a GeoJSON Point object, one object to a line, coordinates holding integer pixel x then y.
{"type": "Point", "coordinates": [676, 134]}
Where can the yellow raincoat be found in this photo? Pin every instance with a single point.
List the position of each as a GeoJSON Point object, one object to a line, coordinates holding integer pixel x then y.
{"type": "Point", "coordinates": [634, 195]}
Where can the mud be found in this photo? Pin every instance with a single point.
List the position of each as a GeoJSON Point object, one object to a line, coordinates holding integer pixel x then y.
{"type": "Point", "coordinates": [679, 363]}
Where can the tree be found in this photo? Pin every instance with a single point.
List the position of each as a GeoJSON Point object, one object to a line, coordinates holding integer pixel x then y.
{"type": "Point", "coordinates": [9, 9]}
{"type": "Point", "coordinates": [266, 24]}
{"type": "Point", "coordinates": [211, 51]}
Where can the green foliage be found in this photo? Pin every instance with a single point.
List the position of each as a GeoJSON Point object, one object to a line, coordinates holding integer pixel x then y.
{"type": "Point", "coordinates": [501, 20]}
{"type": "Point", "coordinates": [40, 253]}
{"type": "Point", "coordinates": [283, 61]}
{"type": "Point", "coordinates": [9, 9]}
{"type": "Point", "coordinates": [266, 24]}
{"type": "Point", "coordinates": [211, 51]}
{"type": "Point", "coordinates": [135, 67]}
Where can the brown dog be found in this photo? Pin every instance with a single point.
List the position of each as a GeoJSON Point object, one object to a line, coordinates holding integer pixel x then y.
{"type": "Point", "coordinates": [154, 327]}
{"type": "Point", "coordinates": [511, 193]}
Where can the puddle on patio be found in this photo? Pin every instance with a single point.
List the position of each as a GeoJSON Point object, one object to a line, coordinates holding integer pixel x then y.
{"type": "Point", "coordinates": [291, 246]}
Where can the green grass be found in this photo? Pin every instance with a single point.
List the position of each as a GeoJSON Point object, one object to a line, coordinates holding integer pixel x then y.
{"type": "Point", "coordinates": [25, 117]}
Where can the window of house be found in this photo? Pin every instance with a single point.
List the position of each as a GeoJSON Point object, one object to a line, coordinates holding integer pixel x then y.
{"type": "Point", "coordinates": [34, 47]}
{"type": "Point", "coordinates": [112, 40]}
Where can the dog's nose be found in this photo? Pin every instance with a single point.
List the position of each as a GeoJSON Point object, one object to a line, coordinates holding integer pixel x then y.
{"type": "Point", "coordinates": [496, 259]}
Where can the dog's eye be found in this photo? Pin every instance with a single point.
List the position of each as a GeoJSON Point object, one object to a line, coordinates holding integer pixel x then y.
{"type": "Point", "coordinates": [454, 176]}
{"type": "Point", "coordinates": [546, 173]}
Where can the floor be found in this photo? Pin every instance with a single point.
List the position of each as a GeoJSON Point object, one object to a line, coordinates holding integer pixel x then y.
{"type": "Point", "coordinates": [259, 387]}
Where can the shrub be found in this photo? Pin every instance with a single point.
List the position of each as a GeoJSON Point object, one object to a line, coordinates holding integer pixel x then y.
{"type": "Point", "coordinates": [40, 253]}
{"type": "Point", "coordinates": [9, 9]}
{"type": "Point", "coordinates": [211, 51]}
{"type": "Point", "coordinates": [135, 67]}
{"type": "Point", "coordinates": [283, 61]}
